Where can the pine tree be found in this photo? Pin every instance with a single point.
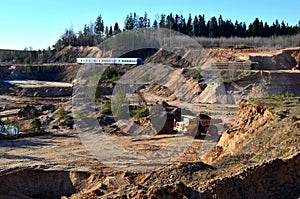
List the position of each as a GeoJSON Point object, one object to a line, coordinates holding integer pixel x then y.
{"type": "Point", "coordinates": [129, 22]}
{"type": "Point", "coordinates": [196, 26]}
{"type": "Point", "coordinates": [170, 22]}
{"type": "Point", "coordinates": [135, 21]}
{"type": "Point", "coordinates": [155, 24]}
{"type": "Point", "coordinates": [145, 20]}
{"type": "Point", "coordinates": [116, 28]}
{"type": "Point", "coordinates": [106, 32]}
{"type": "Point", "coordinates": [110, 32]}
{"type": "Point", "coordinates": [141, 22]}
{"type": "Point", "coordinates": [277, 27]}
{"type": "Point", "coordinates": [189, 26]}
{"type": "Point", "coordinates": [245, 32]}
{"type": "Point", "coordinates": [176, 23]}
{"type": "Point", "coordinates": [266, 30]}
{"type": "Point", "coordinates": [202, 28]}
{"type": "Point", "coordinates": [283, 28]}
{"type": "Point", "coordinates": [162, 23]}
{"type": "Point", "coordinates": [255, 28]}
{"type": "Point", "coordinates": [221, 26]}
{"type": "Point", "coordinates": [213, 30]}
{"type": "Point", "coordinates": [238, 29]}
{"type": "Point", "coordinates": [182, 25]}
{"type": "Point", "coordinates": [99, 26]}
{"type": "Point", "coordinates": [148, 23]}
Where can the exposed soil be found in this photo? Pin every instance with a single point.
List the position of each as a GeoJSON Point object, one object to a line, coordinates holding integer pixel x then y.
{"type": "Point", "coordinates": [257, 155]}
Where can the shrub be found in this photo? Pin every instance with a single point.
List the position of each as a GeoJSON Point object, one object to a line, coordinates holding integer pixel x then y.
{"type": "Point", "coordinates": [35, 125]}
{"type": "Point", "coordinates": [106, 110]}
{"type": "Point", "coordinates": [77, 114]}
{"type": "Point", "coordinates": [120, 105]}
{"type": "Point", "coordinates": [198, 75]}
{"type": "Point", "coordinates": [62, 113]}
{"type": "Point", "coordinates": [110, 74]}
{"type": "Point", "coordinates": [144, 112]}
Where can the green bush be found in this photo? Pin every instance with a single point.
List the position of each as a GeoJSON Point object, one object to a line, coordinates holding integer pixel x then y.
{"type": "Point", "coordinates": [62, 113]}
{"type": "Point", "coordinates": [144, 112]}
{"type": "Point", "coordinates": [120, 105]}
{"type": "Point", "coordinates": [110, 74]}
{"type": "Point", "coordinates": [77, 114]}
{"type": "Point", "coordinates": [198, 75]}
{"type": "Point", "coordinates": [106, 110]}
{"type": "Point", "coordinates": [35, 125]}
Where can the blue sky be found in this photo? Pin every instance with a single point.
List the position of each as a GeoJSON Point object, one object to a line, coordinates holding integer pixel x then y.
{"type": "Point", "coordinates": [39, 23]}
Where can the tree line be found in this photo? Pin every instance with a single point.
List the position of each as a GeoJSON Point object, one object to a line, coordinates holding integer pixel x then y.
{"type": "Point", "coordinates": [26, 56]}
{"type": "Point", "coordinates": [197, 26]}
{"type": "Point", "coordinates": [214, 32]}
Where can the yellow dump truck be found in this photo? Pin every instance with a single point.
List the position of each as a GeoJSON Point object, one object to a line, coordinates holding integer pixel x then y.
{"type": "Point", "coordinates": [196, 126]}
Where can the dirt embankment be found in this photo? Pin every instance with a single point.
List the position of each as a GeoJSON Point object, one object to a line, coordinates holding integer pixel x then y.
{"type": "Point", "coordinates": [271, 126]}
{"type": "Point", "coordinates": [181, 58]}
{"type": "Point", "coordinates": [69, 54]}
{"type": "Point", "coordinates": [262, 59]}
{"type": "Point", "coordinates": [59, 66]}
{"type": "Point", "coordinates": [259, 154]}
{"type": "Point", "coordinates": [283, 60]}
{"type": "Point", "coordinates": [279, 178]}
{"type": "Point", "coordinates": [245, 127]}
{"type": "Point", "coordinates": [253, 84]}
{"type": "Point", "coordinates": [53, 72]}
{"type": "Point", "coordinates": [45, 73]}
{"type": "Point", "coordinates": [39, 183]}
{"type": "Point", "coordinates": [273, 73]}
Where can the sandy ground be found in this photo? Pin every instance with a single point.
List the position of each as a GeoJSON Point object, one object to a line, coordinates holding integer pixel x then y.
{"type": "Point", "coordinates": [38, 84]}
{"type": "Point", "coordinates": [59, 151]}
{"type": "Point", "coordinates": [65, 151]}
